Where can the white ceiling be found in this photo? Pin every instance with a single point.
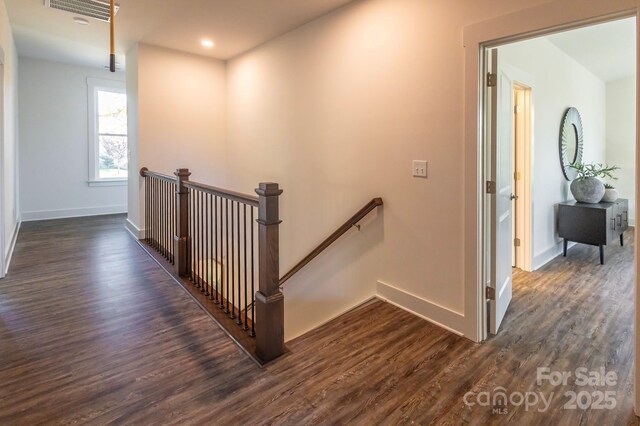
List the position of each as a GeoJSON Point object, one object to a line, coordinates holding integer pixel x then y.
{"type": "Point", "coordinates": [607, 50]}
{"type": "Point", "coordinates": [235, 26]}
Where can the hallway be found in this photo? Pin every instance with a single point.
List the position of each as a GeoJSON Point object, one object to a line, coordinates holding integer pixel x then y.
{"type": "Point", "coordinates": [93, 331]}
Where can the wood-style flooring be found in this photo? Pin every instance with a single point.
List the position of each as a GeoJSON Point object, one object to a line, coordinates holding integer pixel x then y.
{"type": "Point", "coordinates": [92, 331]}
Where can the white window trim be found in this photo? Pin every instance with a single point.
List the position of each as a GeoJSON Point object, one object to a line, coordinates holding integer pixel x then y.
{"type": "Point", "coordinates": [93, 86]}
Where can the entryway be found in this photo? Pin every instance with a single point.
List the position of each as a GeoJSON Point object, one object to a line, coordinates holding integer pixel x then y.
{"type": "Point", "coordinates": [584, 102]}
{"type": "Point", "coordinates": [478, 38]}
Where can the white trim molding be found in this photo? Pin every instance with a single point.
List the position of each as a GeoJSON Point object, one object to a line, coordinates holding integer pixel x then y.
{"type": "Point", "coordinates": [108, 182]}
{"type": "Point", "coordinates": [432, 312]}
{"type": "Point", "coordinates": [80, 212]}
{"type": "Point", "coordinates": [137, 233]}
{"type": "Point", "coordinates": [546, 256]}
{"type": "Point", "coordinates": [12, 247]}
{"type": "Point", "coordinates": [535, 21]}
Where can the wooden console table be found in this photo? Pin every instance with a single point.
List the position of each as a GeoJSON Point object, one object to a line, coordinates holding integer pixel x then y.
{"type": "Point", "coordinates": [593, 224]}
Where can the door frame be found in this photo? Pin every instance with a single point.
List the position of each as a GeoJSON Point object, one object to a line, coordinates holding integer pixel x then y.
{"type": "Point", "coordinates": [529, 23]}
{"type": "Point", "coordinates": [3, 212]}
{"type": "Point", "coordinates": [523, 213]}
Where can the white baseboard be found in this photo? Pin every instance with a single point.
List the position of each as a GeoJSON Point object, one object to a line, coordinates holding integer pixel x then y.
{"type": "Point", "coordinates": [549, 254]}
{"type": "Point", "coordinates": [432, 312]}
{"type": "Point", "coordinates": [61, 214]}
{"type": "Point", "coordinates": [136, 232]}
{"type": "Point", "coordinates": [12, 246]}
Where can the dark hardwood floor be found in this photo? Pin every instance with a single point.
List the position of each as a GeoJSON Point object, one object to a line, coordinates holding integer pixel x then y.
{"type": "Point", "coordinates": [92, 331]}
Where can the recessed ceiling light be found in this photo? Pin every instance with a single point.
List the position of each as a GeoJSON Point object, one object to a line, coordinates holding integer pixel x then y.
{"type": "Point", "coordinates": [207, 43]}
{"type": "Point", "coordinates": [80, 21]}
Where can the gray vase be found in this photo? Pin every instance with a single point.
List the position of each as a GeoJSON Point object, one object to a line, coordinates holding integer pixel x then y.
{"type": "Point", "coordinates": [587, 190]}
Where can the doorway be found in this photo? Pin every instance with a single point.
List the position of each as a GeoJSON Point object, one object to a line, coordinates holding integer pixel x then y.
{"type": "Point", "coordinates": [564, 78]}
{"type": "Point", "coordinates": [538, 20]}
{"type": "Point", "coordinates": [522, 176]}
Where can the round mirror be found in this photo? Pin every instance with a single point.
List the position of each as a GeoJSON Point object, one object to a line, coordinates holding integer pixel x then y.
{"type": "Point", "coordinates": [572, 143]}
{"type": "Point", "coordinates": [571, 140]}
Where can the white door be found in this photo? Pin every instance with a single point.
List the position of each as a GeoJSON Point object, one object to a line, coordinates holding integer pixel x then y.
{"type": "Point", "coordinates": [501, 108]}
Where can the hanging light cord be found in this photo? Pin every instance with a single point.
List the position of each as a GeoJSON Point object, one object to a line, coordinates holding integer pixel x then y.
{"type": "Point", "coordinates": [112, 56]}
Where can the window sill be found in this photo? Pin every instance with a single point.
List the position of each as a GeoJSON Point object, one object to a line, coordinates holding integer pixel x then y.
{"type": "Point", "coordinates": [114, 182]}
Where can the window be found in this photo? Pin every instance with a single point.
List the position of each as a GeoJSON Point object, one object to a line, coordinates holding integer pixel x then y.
{"type": "Point", "coordinates": [108, 150]}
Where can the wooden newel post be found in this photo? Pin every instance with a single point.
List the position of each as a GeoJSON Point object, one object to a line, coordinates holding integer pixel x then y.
{"type": "Point", "coordinates": [269, 300]}
{"type": "Point", "coordinates": [181, 239]}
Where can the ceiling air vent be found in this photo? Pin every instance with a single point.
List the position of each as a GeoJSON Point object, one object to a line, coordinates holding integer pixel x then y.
{"type": "Point", "coordinates": [91, 8]}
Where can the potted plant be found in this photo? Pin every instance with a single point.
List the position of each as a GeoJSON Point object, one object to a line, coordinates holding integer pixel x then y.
{"type": "Point", "coordinates": [610, 193]}
{"type": "Point", "coordinates": [586, 187]}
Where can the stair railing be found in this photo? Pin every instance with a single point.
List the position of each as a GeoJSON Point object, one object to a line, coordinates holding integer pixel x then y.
{"type": "Point", "coordinates": [352, 222]}
{"type": "Point", "coordinates": [208, 236]}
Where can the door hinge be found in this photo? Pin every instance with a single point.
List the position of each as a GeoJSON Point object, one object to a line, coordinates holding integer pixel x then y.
{"type": "Point", "coordinates": [491, 187]}
{"type": "Point", "coordinates": [491, 293]}
{"type": "Point", "coordinates": [516, 175]}
{"type": "Point", "coordinates": [516, 242]}
{"type": "Point", "coordinates": [492, 79]}
{"type": "Point", "coordinates": [517, 109]}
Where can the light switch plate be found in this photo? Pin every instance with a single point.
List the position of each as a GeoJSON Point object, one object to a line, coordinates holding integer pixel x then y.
{"type": "Point", "coordinates": [419, 168]}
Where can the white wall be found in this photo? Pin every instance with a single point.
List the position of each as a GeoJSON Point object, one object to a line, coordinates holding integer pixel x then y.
{"type": "Point", "coordinates": [180, 117]}
{"type": "Point", "coordinates": [621, 137]}
{"type": "Point", "coordinates": [335, 111]}
{"type": "Point", "coordinates": [558, 82]}
{"type": "Point", "coordinates": [9, 140]}
{"type": "Point", "coordinates": [54, 144]}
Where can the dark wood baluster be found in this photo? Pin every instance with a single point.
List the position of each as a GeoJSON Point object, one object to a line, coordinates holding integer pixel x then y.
{"type": "Point", "coordinates": [174, 224]}
{"type": "Point", "coordinates": [151, 207]}
{"type": "Point", "coordinates": [199, 239]}
{"type": "Point", "coordinates": [253, 292]}
{"type": "Point", "coordinates": [146, 209]}
{"type": "Point", "coordinates": [172, 221]}
{"type": "Point", "coordinates": [195, 238]}
{"type": "Point", "coordinates": [162, 213]}
{"type": "Point", "coordinates": [239, 320]}
{"type": "Point", "coordinates": [233, 265]}
{"type": "Point", "coordinates": [210, 260]}
{"type": "Point", "coordinates": [226, 249]}
{"type": "Point", "coordinates": [245, 284]}
{"type": "Point", "coordinates": [207, 231]}
{"type": "Point", "coordinates": [159, 215]}
{"type": "Point", "coordinates": [192, 222]}
{"type": "Point", "coordinates": [168, 231]}
{"type": "Point", "coordinates": [155, 213]}
{"type": "Point", "coordinates": [163, 216]}
{"type": "Point", "coordinates": [172, 205]}
{"type": "Point", "coordinates": [215, 246]}
{"type": "Point", "coordinates": [238, 264]}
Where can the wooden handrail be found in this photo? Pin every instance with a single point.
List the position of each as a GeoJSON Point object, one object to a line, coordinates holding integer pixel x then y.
{"type": "Point", "coordinates": [184, 225]}
{"type": "Point", "coordinates": [144, 172]}
{"type": "Point", "coordinates": [353, 221]}
{"type": "Point", "coordinates": [224, 193]}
